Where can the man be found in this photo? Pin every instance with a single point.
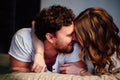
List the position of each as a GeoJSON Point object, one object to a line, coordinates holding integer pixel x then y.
{"type": "Point", "coordinates": [55, 27]}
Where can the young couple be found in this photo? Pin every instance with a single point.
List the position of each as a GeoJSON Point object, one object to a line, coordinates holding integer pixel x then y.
{"type": "Point", "coordinates": [86, 45]}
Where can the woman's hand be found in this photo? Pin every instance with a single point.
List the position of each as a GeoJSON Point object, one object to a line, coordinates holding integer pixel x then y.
{"type": "Point", "coordinates": [39, 63]}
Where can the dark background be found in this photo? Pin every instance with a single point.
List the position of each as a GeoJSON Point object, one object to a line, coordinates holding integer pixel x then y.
{"type": "Point", "coordinates": [14, 15]}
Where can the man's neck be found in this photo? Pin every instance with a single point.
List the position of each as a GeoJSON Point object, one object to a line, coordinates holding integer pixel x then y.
{"type": "Point", "coordinates": [50, 54]}
{"type": "Point", "coordinates": [49, 50]}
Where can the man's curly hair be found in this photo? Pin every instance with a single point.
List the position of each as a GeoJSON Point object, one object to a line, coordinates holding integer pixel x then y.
{"type": "Point", "coordinates": [51, 19]}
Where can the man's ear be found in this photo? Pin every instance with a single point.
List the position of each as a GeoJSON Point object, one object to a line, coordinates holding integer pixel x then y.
{"type": "Point", "coordinates": [50, 37]}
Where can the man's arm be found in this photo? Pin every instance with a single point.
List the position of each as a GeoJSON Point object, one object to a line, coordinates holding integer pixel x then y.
{"type": "Point", "coordinates": [21, 51]}
{"type": "Point", "coordinates": [19, 66]}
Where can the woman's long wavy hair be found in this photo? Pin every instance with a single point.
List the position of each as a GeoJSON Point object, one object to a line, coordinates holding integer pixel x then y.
{"type": "Point", "coordinates": [98, 37]}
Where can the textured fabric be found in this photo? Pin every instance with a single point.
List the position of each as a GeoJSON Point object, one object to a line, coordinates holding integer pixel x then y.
{"type": "Point", "coordinates": [22, 49]}
{"type": "Point", "coordinates": [55, 76]}
{"type": "Point", "coordinates": [49, 76]}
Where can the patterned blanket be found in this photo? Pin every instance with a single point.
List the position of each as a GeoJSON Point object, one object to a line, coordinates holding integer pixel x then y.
{"type": "Point", "coordinates": [6, 75]}
{"type": "Point", "coordinates": [55, 76]}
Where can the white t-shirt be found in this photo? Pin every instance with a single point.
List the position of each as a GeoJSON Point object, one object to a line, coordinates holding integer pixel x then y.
{"type": "Point", "coordinates": [22, 49]}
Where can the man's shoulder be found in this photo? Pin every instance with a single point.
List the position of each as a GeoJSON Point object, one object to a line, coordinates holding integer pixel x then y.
{"type": "Point", "coordinates": [24, 32]}
{"type": "Point", "coordinates": [23, 36]}
{"type": "Point", "coordinates": [21, 46]}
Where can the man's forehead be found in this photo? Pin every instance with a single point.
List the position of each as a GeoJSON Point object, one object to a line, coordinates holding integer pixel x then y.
{"type": "Point", "coordinates": [67, 29]}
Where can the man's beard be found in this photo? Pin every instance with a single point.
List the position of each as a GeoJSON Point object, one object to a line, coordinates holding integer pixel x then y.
{"type": "Point", "coordinates": [65, 50]}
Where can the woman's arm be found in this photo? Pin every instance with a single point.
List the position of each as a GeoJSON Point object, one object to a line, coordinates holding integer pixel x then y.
{"type": "Point", "coordinates": [39, 63]}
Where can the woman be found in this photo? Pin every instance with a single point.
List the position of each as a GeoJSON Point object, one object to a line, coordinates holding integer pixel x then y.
{"type": "Point", "coordinates": [98, 38]}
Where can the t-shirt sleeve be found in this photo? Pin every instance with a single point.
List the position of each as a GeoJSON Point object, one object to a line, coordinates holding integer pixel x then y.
{"type": "Point", "coordinates": [21, 46]}
{"type": "Point", "coordinates": [74, 56]}
{"type": "Point", "coordinates": [116, 62]}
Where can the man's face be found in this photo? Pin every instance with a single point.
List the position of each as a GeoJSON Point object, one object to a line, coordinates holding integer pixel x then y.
{"type": "Point", "coordinates": [64, 39]}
